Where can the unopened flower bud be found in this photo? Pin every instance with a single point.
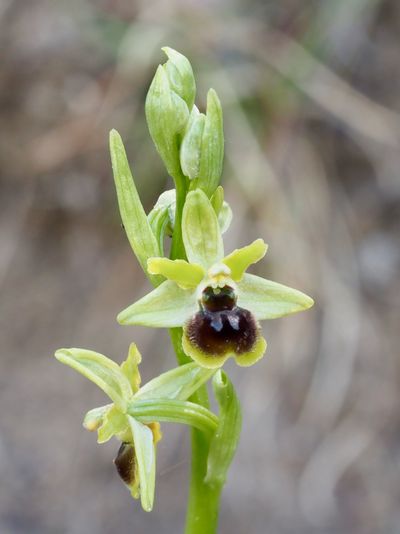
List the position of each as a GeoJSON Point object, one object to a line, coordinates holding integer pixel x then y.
{"type": "Point", "coordinates": [191, 144]}
{"type": "Point", "coordinates": [169, 99]}
{"type": "Point", "coordinates": [180, 75]}
{"type": "Point", "coordinates": [212, 147]}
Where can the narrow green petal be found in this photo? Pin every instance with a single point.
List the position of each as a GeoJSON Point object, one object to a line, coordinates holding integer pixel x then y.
{"type": "Point", "coordinates": [200, 230]}
{"type": "Point", "coordinates": [241, 258]}
{"type": "Point", "coordinates": [179, 383]}
{"type": "Point", "coordinates": [137, 227]}
{"type": "Point", "coordinates": [269, 300]}
{"type": "Point", "coordinates": [146, 459]}
{"type": "Point", "coordinates": [166, 306]}
{"type": "Point", "coordinates": [186, 275]}
{"type": "Point", "coordinates": [130, 367]}
{"type": "Point", "coordinates": [105, 373]}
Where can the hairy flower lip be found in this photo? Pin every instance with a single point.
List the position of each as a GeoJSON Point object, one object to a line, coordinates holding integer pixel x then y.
{"type": "Point", "coordinates": [125, 463]}
{"type": "Point", "coordinates": [223, 332]}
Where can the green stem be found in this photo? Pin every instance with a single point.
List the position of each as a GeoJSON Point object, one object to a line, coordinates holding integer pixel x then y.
{"type": "Point", "coordinates": [204, 499]}
{"type": "Point", "coordinates": [177, 247]}
{"type": "Point", "coordinates": [203, 503]}
{"type": "Point", "coordinates": [174, 411]}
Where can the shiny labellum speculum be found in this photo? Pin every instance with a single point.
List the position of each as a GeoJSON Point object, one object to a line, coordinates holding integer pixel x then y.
{"type": "Point", "coordinates": [222, 327]}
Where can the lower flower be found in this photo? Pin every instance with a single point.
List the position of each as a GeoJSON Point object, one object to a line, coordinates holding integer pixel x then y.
{"type": "Point", "coordinates": [127, 464]}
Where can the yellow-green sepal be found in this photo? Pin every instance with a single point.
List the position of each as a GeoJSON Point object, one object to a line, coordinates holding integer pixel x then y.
{"type": "Point", "coordinates": [178, 384]}
{"type": "Point", "coordinates": [200, 230]}
{"type": "Point", "coordinates": [146, 461]}
{"type": "Point", "coordinates": [185, 275]}
{"type": "Point", "coordinates": [167, 306]}
{"type": "Point", "coordinates": [270, 300]}
{"type": "Point", "coordinates": [240, 259]}
{"type": "Point", "coordinates": [105, 373]}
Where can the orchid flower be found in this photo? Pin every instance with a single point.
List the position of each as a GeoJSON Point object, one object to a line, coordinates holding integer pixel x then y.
{"type": "Point", "coordinates": [211, 296]}
{"type": "Point", "coordinates": [133, 416]}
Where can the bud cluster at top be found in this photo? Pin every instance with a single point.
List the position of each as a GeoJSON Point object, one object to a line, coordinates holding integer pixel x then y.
{"type": "Point", "coordinates": [190, 143]}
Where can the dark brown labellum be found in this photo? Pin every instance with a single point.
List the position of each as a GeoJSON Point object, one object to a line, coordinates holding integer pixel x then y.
{"type": "Point", "coordinates": [222, 332]}
{"type": "Point", "coordinates": [125, 463]}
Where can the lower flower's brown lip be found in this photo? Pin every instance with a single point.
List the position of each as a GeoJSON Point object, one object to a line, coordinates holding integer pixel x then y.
{"type": "Point", "coordinates": [125, 462]}
{"type": "Point", "coordinates": [221, 332]}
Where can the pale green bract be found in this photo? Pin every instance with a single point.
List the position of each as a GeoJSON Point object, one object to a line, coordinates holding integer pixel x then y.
{"type": "Point", "coordinates": [176, 300]}
{"type": "Point", "coordinates": [224, 442]}
{"type": "Point", "coordinates": [134, 414]}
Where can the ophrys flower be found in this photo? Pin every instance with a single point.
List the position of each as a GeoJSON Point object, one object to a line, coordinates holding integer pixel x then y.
{"type": "Point", "coordinates": [211, 296]}
{"type": "Point", "coordinates": [133, 416]}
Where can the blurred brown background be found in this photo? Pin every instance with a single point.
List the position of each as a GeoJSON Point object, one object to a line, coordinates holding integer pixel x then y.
{"type": "Point", "coordinates": [311, 99]}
